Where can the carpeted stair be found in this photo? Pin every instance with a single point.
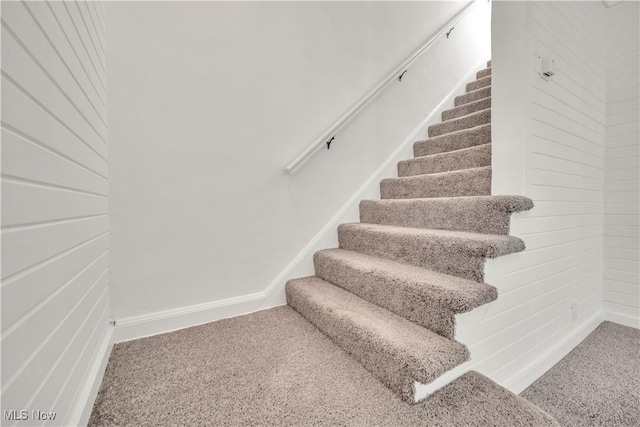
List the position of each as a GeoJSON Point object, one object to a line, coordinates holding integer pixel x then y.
{"type": "Point", "coordinates": [389, 294]}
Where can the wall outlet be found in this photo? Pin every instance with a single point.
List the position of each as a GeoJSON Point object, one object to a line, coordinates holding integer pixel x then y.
{"type": "Point", "coordinates": [574, 310]}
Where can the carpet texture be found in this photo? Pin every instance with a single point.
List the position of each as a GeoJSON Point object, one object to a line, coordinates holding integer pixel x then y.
{"type": "Point", "coordinates": [425, 297]}
{"type": "Point", "coordinates": [273, 368]}
{"type": "Point", "coordinates": [465, 182]}
{"type": "Point", "coordinates": [478, 214]}
{"type": "Point", "coordinates": [457, 253]}
{"type": "Point", "coordinates": [465, 158]}
{"type": "Point", "coordinates": [395, 350]}
{"type": "Point", "coordinates": [472, 96]}
{"type": "Point", "coordinates": [465, 138]}
{"type": "Point", "coordinates": [389, 294]}
{"type": "Point", "coordinates": [465, 109]}
{"type": "Point", "coordinates": [465, 122]}
{"type": "Point", "coordinates": [597, 384]}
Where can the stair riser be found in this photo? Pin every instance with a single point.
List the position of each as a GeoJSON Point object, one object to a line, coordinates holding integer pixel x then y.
{"type": "Point", "coordinates": [470, 182]}
{"type": "Point", "coordinates": [472, 120]}
{"type": "Point", "coordinates": [380, 289]}
{"type": "Point", "coordinates": [474, 157]}
{"type": "Point", "coordinates": [474, 217]}
{"type": "Point", "coordinates": [453, 141]}
{"type": "Point", "coordinates": [466, 109]}
{"type": "Point", "coordinates": [480, 83]}
{"type": "Point", "coordinates": [443, 257]}
{"type": "Point", "coordinates": [472, 96]}
{"type": "Point", "coordinates": [483, 73]}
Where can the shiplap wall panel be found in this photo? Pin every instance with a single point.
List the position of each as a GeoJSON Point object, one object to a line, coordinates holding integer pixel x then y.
{"type": "Point", "coordinates": [564, 175]}
{"type": "Point", "coordinates": [621, 293]}
{"type": "Point", "coordinates": [61, 13]}
{"type": "Point", "coordinates": [30, 288]}
{"type": "Point", "coordinates": [55, 260]}
{"type": "Point", "coordinates": [22, 159]}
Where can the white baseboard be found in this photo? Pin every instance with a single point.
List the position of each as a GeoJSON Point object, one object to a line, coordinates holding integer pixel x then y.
{"type": "Point", "coordinates": [621, 318]}
{"type": "Point", "coordinates": [302, 265]}
{"type": "Point", "coordinates": [183, 317]}
{"type": "Point", "coordinates": [523, 378]}
{"type": "Point", "coordinates": [87, 395]}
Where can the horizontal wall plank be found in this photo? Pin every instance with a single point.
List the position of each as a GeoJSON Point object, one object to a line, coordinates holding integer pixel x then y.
{"type": "Point", "coordinates": [75, 359]}
{"type": "Point", "coordinates": [26, 291]}
{"type": "Point", "coordinates": [27, 203]}
{"type": "Point", "coordinates": [48, 315]}
{"type": "Point", "coordinates": [24, 248]}
{"type": "Point", "coordinates": [20, 388]}
{"type": "Point", "coordinates": [55, 262]}
{"type": "Point", "coordinates": [39, 83]}
{"type": "Point", "coordinates": [24, 159]}
{"type": "Point", "coordinates": [30, 120]}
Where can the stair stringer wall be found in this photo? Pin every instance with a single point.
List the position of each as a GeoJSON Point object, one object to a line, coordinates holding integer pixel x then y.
{"type": "Point", "coordinates": [551, 148]}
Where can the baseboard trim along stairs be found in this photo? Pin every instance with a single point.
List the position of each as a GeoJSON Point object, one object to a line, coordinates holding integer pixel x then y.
{"type": "Point", "coordinates": [388, 295]}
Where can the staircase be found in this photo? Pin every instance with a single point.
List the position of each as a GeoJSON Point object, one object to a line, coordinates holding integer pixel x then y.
{"type": "Point", "coordinates": [389, 294]}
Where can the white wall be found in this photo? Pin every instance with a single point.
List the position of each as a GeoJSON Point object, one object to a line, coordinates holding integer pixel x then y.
{"type": "Point", "coordinates": [560, 145]}
{"type": "Point", "coordinates": [208, 101]}
{"type": "Point", "coordinates": [621, 258]}
{"type": "Point", "coordinates": [55, 275]}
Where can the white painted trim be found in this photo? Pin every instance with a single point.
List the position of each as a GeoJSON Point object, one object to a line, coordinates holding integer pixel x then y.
{"type": "Point", "coordinates": [621, 318]}
{"type": "Point", "coordinates": [525, 377]}
{"type": "Point", "coordinates": [423, 391]}
{"type": "Point", "coordinates": [81, 412]}
{"type": "Point", "coordinates": [135, 327]}
{"type": "Point", "coordinates": [183, 317]}
{"type": "Point", "coordinates": [545, 361]}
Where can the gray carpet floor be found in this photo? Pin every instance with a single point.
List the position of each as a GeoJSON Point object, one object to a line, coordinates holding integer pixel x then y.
{"type": "Point", "coordinates": [274, 368]}
{"type": "Point", "coordinates": [597, 384]}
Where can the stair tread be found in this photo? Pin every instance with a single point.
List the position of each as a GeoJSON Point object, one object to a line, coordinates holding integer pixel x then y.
{"type": "Point", "coordinates": [473, 95]}
{"type": "Point", "coordinates": [462, 138]}
{"type": "Point", "coordinates": [466, 116]}
{"type": "Point", "coordinates": [462, 182]}
{"type": "Point", "coordinates": [394, 349]}
{"type": "Point", "coordinates": [449, 161]}
{"type": "Point", "coordinates": [407, 178]}
{"type": "Point", "coordinates": [510, 203]}
{"type": "Point", "coordinates": [470, 120]}
{"type": "Point", "coordinates": [477, 105]}
{"type": "Point", "coordinates": [481, 214]}
{"type": "Point", "coordinates": [457, 294]}
{"type": "Point", "coordinates": [484, 72]}
{"type": "Point", "coordinates": [479, 83]}
{"type": "Point", "coordinates": [476, 244]}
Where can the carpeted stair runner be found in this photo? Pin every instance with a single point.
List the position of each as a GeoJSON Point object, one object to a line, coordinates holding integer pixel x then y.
{"type": "Point", "coordinates": [389, 294]}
